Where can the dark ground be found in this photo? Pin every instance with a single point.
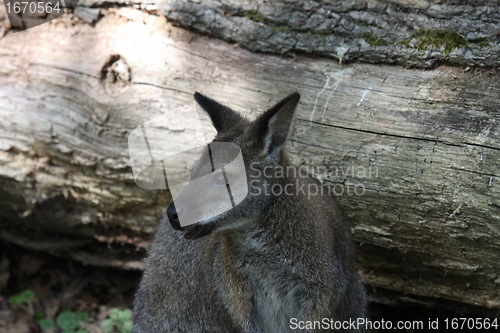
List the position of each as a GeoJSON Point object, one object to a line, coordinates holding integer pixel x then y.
{"type": "Point", "coordinates": [59, 284]}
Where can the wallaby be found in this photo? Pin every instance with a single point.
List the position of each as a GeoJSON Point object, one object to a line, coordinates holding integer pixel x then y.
{"type": "Point", "coordinates": [273, 263]}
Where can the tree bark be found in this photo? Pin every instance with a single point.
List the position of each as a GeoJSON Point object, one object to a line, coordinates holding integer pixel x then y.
{"type": "Point", "coordinates": [413, 155]}
{"type": "Point", "coordinates": [411, 33]}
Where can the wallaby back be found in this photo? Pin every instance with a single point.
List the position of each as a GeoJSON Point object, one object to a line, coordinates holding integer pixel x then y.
{"type": "Point", "coordinates": [279, 259]}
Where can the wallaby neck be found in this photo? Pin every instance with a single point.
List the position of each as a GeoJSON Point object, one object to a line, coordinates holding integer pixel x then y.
{"type": "Point", "coordinates": [286, 216]}
{"type": "Point", "coordinates": [268, 258]}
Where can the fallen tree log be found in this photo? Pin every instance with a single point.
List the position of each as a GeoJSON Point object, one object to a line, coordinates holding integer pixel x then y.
{"type": "Point", "coordinates": [410, 33]}
{"type": "Point", "coordinates": [413, 155]}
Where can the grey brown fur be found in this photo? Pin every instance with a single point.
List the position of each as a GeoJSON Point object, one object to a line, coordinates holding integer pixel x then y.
{"type": "Point", "coordinates": [256, 266]}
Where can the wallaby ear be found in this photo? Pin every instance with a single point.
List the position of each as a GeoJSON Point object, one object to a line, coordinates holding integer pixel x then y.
{"type": "Point", "coordinates": [272, 126]}
{"type": "Point", "coordinates": [223, 118]}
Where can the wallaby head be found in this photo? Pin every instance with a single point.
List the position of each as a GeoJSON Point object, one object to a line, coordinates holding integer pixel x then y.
{"type": "Point", "coordinates": [260, 143]}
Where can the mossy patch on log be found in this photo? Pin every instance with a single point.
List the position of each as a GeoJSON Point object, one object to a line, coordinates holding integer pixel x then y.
{"type": "Point", "coordinates": [436, 39]}
{"type": "Point", "coordinates": [370, 39]}
{"type": "Point", "coordinates": [254, 16]}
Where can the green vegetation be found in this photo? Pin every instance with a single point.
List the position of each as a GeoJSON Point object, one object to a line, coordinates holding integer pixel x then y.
{"type": "Point", "coordinates": [481, 41]}
{"type": "Point", "coordinates": [449, 40]}
{"type": "Point", "coordinates": [405, 42]}
{"type": "Point", "coordinates": [119, 321]}
{"type": "Point", "coordinates": [26, 297]}
{"type": "Point", "coordinates": [254, 16]}
{"type": "Point", "coordinates": [46, 324]}
{"type": "Point", "coordinates": [436, 39]}
{"type": "Point", "coordinates": [67, 321]}
{"type": "Point", "coordinates": [373, 41]}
